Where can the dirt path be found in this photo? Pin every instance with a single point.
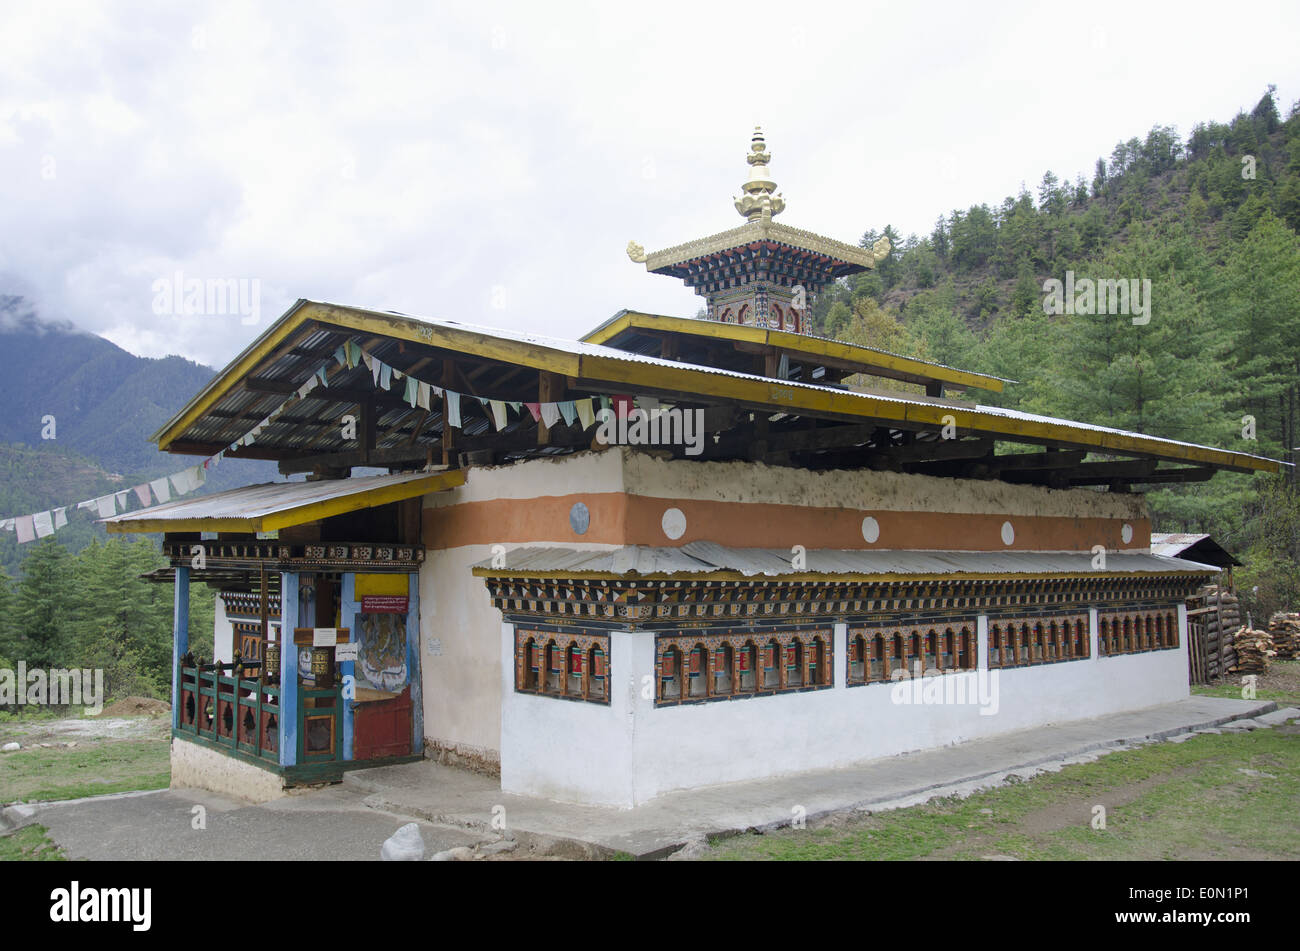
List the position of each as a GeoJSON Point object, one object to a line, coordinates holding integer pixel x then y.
{"type": "Point", "coordinates": [38, 732]}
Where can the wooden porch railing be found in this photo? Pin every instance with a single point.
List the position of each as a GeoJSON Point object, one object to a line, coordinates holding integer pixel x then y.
{"type": "Point", "coordinates": [237, 712]}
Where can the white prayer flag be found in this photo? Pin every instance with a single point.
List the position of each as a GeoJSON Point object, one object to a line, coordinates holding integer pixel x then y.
{"type": "Point", "coordinates": [43, 522]}
{"type": "Point", "coordinates": [160, 489]}
{"type": "Point", "coordinates": [107, 506]}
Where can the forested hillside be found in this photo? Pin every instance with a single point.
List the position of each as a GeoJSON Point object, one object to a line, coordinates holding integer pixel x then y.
{"type": "Point", "coordinates": [1211, 221]}
{"type": "Point", "coordinates": [78, 414]}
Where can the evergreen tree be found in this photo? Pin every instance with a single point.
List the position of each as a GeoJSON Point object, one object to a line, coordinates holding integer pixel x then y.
{"type": "Point", "coordinates": [39, 606]}
{"type": "Point", "coordinates": [1259, 298]}
{"type": "Point", "coordinates": [6, 616]}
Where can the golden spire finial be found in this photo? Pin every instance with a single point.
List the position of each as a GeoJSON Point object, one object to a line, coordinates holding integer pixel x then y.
{"type": "Point", "coordinates": [759, 200]}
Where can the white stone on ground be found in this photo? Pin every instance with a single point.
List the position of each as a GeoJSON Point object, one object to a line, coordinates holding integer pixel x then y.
{"type": "Point", "coordinates": [404, 845]}
{"type": "Point", "coordinates": [458, 854]}
{"type": "Point", "coordinates": [10, 748]}
{"type": "Point", "coordinates": [1278, 717]}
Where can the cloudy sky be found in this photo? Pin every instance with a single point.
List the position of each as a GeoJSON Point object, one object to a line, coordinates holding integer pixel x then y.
{"type": "Point", "coordinates": [488, 162]}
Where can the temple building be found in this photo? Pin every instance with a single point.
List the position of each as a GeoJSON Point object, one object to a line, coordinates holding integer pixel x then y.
{"type": "Point", "coordinates": [677, 552]}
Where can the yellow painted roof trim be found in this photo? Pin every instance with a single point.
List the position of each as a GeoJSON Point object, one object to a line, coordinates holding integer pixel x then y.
{"type": "Point", "coordinates": [523, 573]}
{"type": "Point", "coordinates": [867, 357]}
{"type": "Point", "coordinates": [301, 514]}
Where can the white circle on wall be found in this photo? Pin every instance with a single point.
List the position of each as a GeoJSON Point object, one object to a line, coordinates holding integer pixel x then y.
{"type": "Point", "coordinates": [870, 529]}
{"type": "Point", "coordinates": [579, 518]}
{"type": "Point", "coordinates": [1126, 533]}
{"type": "Point", "coordinates": [674, 523]}
{"type": "Point", "coordinates": [1008, 533]}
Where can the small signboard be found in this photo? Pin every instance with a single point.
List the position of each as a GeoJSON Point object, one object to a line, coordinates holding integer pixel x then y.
{"type": "Point", "coordinates": [324, 636]}
{"type": "Point", "coordinates": [346, 651]}
{"type": "Point", "coordinates": [384, 604]}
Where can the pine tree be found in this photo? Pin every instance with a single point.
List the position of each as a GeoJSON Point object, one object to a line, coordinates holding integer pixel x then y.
{"type": "Point", "coordinates": [39, 606]}
{"type": "Point", "coordinates": [6, 618]}
{"type": "Point", "coordinates": [1259, 300]}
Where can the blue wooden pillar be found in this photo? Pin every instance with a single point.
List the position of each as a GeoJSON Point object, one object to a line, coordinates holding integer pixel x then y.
{"type": "Point", "coordinates": [348, 618]}
{"type": "Point", "coordinates": [288, 669]}
{"type": "Point", "coordinates": [180, 638]}
{"type": "Point", "coordinates": [413, 662]}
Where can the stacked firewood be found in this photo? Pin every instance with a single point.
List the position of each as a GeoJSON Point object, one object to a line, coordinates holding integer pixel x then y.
{"type": "Point", "coordinates": [1254, 649]}
{"type": "Point", "coordinates": [1215, 611]}
{"type": "Point", "coordinates": [1285, 631]}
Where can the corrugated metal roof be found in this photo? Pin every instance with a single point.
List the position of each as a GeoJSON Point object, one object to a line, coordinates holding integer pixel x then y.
{"type": "Point", "coordinates": [1171, 543]}
{"type": "Point", "coordinates": [1201, 546]}
{"type": "Point", "coordinates": [783, 335]}
{"type": "Point", "coordinates": [255, 502]}
{"type": "Point", "coordinates": [581, 348]}
{"type": "Point", "coordinates": [296, 366]}
{"type": "Point", "coordinates": [707, 558]}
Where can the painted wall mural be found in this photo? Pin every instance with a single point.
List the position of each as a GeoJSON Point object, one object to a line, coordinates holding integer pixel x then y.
{"type": "Point", "coordinates": [381, 659]}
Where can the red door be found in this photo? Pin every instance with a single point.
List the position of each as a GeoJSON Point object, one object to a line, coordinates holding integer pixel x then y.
{"type": "Point", "coordinates": [383, 727]}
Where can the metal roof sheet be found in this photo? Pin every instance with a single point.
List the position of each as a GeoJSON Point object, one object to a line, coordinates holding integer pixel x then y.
{"type": "Point", "coordinates": [983, 419]}
{"type": "Point", "coordinates": [788, 340]}
{"type": "Point", "coordinates": [709, 558]}
{"type": "Point", "coordinates": [1171, 543]}
{"type": "Point", "coordinates": [255, 504]}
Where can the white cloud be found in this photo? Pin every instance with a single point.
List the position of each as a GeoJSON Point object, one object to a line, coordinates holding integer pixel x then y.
{"type": "Point", "coordinates": [397, 156]}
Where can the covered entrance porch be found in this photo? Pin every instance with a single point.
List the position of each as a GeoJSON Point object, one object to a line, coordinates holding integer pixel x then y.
{"type": "Point", "coordinates": [317, 662]}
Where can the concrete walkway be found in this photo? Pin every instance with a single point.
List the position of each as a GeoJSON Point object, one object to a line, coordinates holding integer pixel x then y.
{"type": "Point", "coordinates": [327, 824]}
{"type": "Point", "coordinates": [456, 798]}
{"type": "Point", "coordinates": [461, 809]}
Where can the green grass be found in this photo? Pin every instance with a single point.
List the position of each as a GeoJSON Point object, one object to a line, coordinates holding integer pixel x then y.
{"type": "Point", "coordinates": [1163, 801]}
{"type": "Point", "coordinates": [1286, 695]}
{"type": "Point", "coordinates": [30, 844]}
{"type": "Point", "coordinates": [91, 769]}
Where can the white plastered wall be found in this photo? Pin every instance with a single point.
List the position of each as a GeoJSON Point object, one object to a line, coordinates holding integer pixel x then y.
{"type": "Point", "coordinates": [631, 751]}
{"type": "Point", "coordinates": [469, 706]}
{"type": "Point", "coordinates": [223, 632]}
{"type": "Point", "coordinates": [462, 684]}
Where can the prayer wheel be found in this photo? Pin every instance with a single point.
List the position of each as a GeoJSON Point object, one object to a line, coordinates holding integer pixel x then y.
{"type": "Point", "coordinates": [322, 665]}
{"type": "Point", "coordinates": [271, 663]}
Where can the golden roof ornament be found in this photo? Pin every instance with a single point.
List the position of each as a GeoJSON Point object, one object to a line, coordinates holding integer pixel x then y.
{"type": "Point", "coordinates": [880, 250]}
{"type": "Point", "coordinates": [759, 201]}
